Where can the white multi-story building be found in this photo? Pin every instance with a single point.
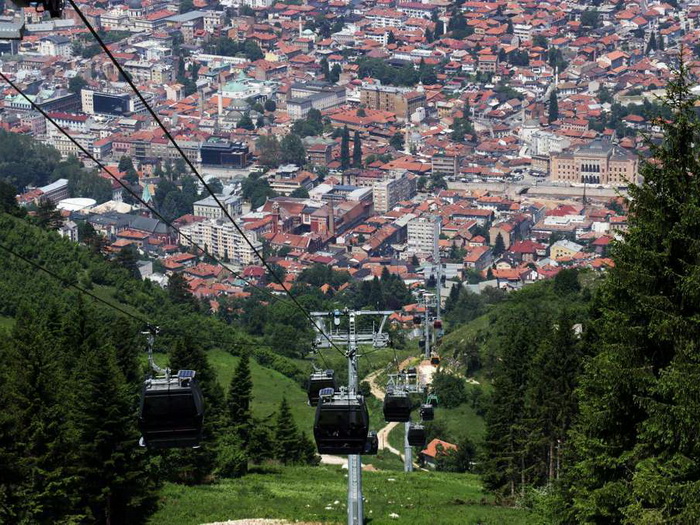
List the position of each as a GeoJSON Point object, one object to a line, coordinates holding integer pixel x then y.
{"type": "Point", "coordinates": [222, 239]}
{"type": "Point", "coordinates": [208, 207]}
{"type": "Point", "coordinates": [423, 234]}
{"type": "Point", "coordinates": [55, 46]}
{"type": "Point", "coordinates": [544, 143]}
{"type": "Point", "coordinates": [389, 193]}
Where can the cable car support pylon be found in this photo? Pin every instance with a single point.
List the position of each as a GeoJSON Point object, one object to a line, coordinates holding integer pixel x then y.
{"type": "Point", "coordinates": [351, 340]}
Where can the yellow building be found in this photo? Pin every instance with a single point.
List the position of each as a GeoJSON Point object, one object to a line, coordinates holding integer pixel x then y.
{"type": "Point", "coordinates": [564, 249]}
{"type": "Point", "coordinates": [599, 162]}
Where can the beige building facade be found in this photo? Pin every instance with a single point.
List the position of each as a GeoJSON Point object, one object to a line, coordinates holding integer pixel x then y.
{"type": "Point", "coordinates": [401, 102]}
{"type": "Point", "coordinates": [599, 163]}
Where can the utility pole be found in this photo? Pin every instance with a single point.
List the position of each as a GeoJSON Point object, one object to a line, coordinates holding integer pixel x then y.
{"type": "Point", "coordinates": [351, 340]}
{"type": "Point", "coordinates": [438, 263]}
{"type": "Point", "coordinates": [427, 303]}
{"type": "Point", "coordinates": [407, 450]}
{"type": "Point", "coordinates": [355, 503]}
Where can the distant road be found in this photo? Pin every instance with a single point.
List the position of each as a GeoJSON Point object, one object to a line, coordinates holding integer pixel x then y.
{"type": "Point", "coordinates": [543, 190]}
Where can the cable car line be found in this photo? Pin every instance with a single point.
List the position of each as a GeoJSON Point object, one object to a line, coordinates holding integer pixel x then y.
{"type": "Point", "coordinates": [189, 163]}
{"type": "Point", "coordinates": [87, 153]}
{"type": "Point", "coordinates": [72, 285]}
{"type": "Point", "coordinates": [142, 320]}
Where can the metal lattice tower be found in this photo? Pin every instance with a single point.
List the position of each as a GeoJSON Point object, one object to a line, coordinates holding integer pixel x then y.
{"type": "Point", "coordinates": [352, 339]}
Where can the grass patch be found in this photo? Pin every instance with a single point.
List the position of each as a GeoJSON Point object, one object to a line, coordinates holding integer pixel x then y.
{"type": "Point", "coordinates": [463, 421]}
{"type": "Point", "coordinates": [7, 323]}
{"type": "Point", "coordinates": [319, 494]}
{"type": "Point", "coordinates": [106, 293]}
{"type": "Point", "coordinates": [269, 387]}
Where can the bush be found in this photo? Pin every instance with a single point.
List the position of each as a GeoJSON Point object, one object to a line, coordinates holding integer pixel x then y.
{"type": "Point", "coordinates": [231, 459]}
{"type": "Point", "coordinates": [459, 460]}
{"type": "Point", "coordinates": [450, 389]}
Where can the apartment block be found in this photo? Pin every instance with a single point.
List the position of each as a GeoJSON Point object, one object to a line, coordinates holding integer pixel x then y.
{"type": "Point", "coordinates": [222, 239]}
{"type": "Point", "coordinates": [389, 193]}
{"type": "Point", "coordinates": [403, 103]}
{"type": "Point", "coordinates": [423, 234]}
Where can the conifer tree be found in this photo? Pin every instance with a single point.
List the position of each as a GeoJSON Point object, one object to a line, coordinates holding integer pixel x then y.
{"type": "Point", "coordinates": [325, 69]}
{"type": "Point", "coordinates": [356, 150]}
{"type": "Point", "coordinates": [651, 45]}
{"type": "Point", "coordinates": [550, 401]}
{"type": "Point", "coordinates": [39, 488]}
{"type": "Point", "coordinates": [345, 149]}
{"type": "Point", "coordinates": [239, 399]}
{"type": "Point", "coordinates": [499, 247]}
{"type": "Point", "coordinates": [504, 467]}
{"type": "Point", "coordinates": [102, 411]}
{"type": "Point", "coordinates": [286, 436]}
{"type": "Point", "coordinates": [553, 107]}
{"type": "Point", "coordinates": [47, 216]}
{"type": "Point", "coordinates": [636, 443]}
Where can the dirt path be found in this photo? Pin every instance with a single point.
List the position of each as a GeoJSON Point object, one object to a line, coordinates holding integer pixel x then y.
{"type": "Point", "coordinates": [426, 372]}
{"type": "Point", "coordinates": [383, 436]}
{"type": "Point", "coordinates": [373, 386]}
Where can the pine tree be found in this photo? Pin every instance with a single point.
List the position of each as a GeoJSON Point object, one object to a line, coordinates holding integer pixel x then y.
{"type": "Point", "coordinates": [499, 246]}
{"type": "Point", "coordinates": [325, 69]}
{"type": "Point", "coordinates": [102, 412]}
{"type": "Point", "coordinates": [286, 436]}
{"type": "Point", "coordinates": [239, 399]}
{"type": "Point", "coordinates": [128, 343]}
{"type": "Point", "coordinates": [636, 442]}
{"type": "Point", "coordinates": [439, 29]}
{"type": "Point", "coordinates": [261, 435]}
{"type": "Point", "coordinates": [39, 487]}
{"type": "Point", "coordinates": [356, 150]}
{"type": "Point", "coordinates": [550, 401]}
{"type": "Point", "coordinates": [651, 45]}
{"type": "Point", "coordinates": [345, 149]}
{"type": "Point", "coordinates": [179, 291]}
{"type": "Point", "coordinates": [452, 298]}
{"type": "Point", "coordinates": [553, 107]}
{"type": "Point", "coordinates": [504, 467]}
{"type": "Point", "coordinates": [47, 216]}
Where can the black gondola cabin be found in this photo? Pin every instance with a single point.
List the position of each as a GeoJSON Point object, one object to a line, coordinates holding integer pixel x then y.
{"type": "Point", "coordinates": [341, 424]}
{"type": "Point", "coordinates": [171, 412]}
{"type": "Point", "coordinates": [416, 435]}
{"type": "Point", "coordinates": [397, 406]}
{"type": "Point", "coordinates": [371, 445]}
{"type": "Point", "coordinates": [427, 412]}
{"type": "Point", "coordinates": [319, 381]}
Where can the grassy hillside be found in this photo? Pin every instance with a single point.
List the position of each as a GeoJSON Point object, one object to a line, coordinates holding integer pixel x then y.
{"type": "Point", "coordinates": [319, 494]}
{"type": "Point", "coordinates": [461, 421]}
{"type": "Point", "coordinates": [269, 387]}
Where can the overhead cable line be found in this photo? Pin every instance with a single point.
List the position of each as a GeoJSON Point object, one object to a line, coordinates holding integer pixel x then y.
{"type": "Point", "coordinates": [191, 165]}
{"type": "Point", "coordinates": [73, 285]}
{"type": "Point", "coordinates": [87, 153]}
{"type": "Point", "coordinates": [114, 306]}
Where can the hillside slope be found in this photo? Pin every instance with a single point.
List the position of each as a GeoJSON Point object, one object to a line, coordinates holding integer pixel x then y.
{"type": "Point", "coordinates": [318, 494]}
